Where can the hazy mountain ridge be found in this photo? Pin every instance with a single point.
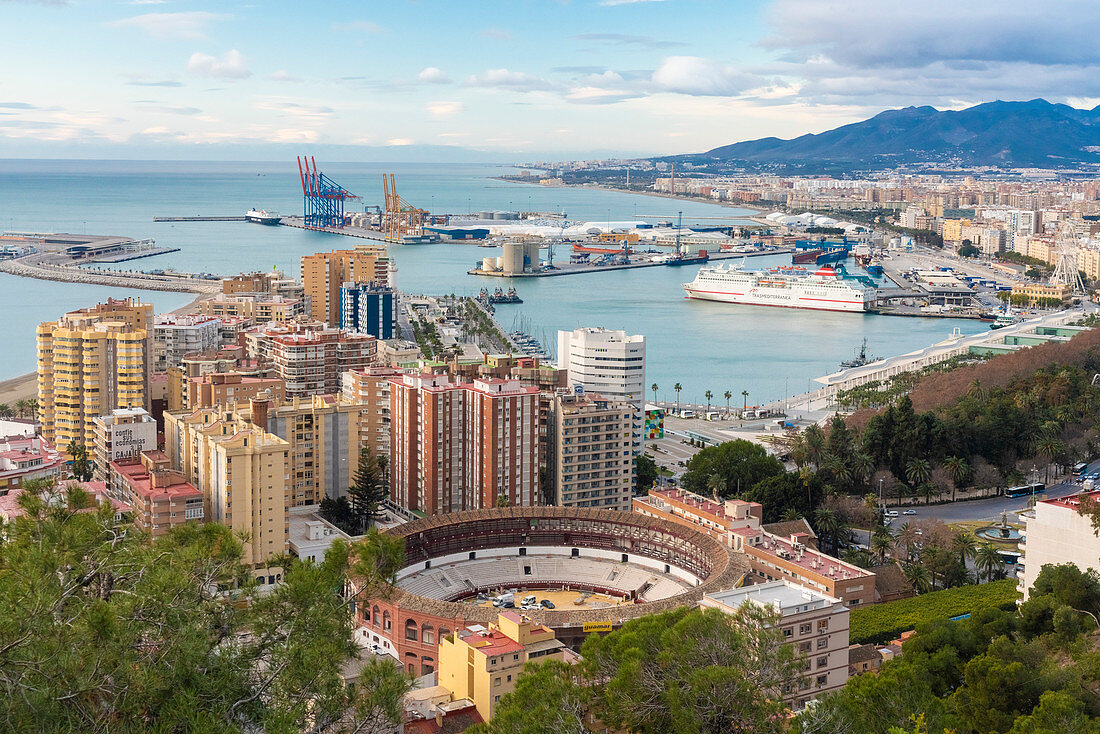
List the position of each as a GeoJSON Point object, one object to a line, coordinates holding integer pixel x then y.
{"type": "Point", "coordinates": [1007, 134]}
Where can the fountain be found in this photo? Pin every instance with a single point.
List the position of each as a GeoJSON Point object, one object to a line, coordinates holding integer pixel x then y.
{"type": "Point", "coordinates": [1001, 532]}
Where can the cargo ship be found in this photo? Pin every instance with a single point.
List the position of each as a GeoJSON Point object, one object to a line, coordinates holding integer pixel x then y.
{"type": "Point", "coordinates": [818, 256]}
{"type": "Point", "coordinates": [262, 216]}
{"type": "Point", "coordinates": [825, 289]}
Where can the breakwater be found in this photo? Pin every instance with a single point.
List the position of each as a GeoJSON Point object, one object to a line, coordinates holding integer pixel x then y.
{"type": "Point", "coordinates": [30, 268]}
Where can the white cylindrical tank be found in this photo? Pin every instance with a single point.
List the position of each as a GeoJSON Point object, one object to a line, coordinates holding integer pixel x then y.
{"type": "Point", "coordinates": [489, 263]}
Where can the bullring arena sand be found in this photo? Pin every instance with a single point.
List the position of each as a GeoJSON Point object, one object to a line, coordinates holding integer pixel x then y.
{"type": "Point", "coordinates": [563, 599]}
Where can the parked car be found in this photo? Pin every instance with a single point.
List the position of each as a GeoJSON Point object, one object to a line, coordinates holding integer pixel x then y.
{"type": "Point", "coordinates": [547, 604]}
{"type": "Point", "coordinates": [909, 512]}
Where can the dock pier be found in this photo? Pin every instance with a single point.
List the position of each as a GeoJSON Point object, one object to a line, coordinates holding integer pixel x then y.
{"type": "Point", "coordinates": [198, 219]}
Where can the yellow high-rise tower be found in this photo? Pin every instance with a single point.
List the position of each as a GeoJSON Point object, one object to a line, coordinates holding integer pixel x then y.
{"type": "Point", "coordinates": [91, 362]}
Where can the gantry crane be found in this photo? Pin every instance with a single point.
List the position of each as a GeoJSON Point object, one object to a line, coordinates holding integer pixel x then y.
{"type": "Point", "coordinates": [400, 218]}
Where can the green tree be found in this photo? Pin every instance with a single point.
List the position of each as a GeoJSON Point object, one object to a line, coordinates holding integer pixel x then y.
{"type": "Point", "coordinates": [727, 395]}
{"type": "Point", "coordinates": [829, 526]}
{"type": "Point", "coordinates": [676, 389]}
{"type": "Point", "coordinates": [918, 471]}
{"type": "Point", "coordinates": [548, 699]}
{"type": "Point", "coordinates": [503, 501]}
{"type": "Point", "coordinates": [740, 463]}
{"type": "Point", "coordinates": [82, 465]}
{"type": "Point", "coordinates": [1057, 712]}
{"type": "Point", "coordinates": [370, 486]}
{"type": "Point", "coordinates": [987, 559]}
{"type": "Point", "coordinates": [645, 473]}
{"type": "Point", "coordinates": [700, 671]}
{"type": "Point", "coordinates": [959, 469]}
{"type": "Point", "coordinates": [134, 635]}
{"type": "Point", "coordinates": [813, 439]}
{"type": "Point", "coordinates": [716, 483]}
{"type": "Point", "coordinates": [708, 395]}
{"type": "Point", "coordinates": [654, 388]}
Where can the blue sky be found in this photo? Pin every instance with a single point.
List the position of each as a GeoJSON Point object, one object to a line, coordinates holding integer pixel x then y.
{"type": "Point", "coordinates": [532, 77]}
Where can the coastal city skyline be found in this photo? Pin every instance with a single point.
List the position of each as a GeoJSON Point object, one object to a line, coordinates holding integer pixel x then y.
{"type": "Point", "coordinates": [550, 367]}
{"type": "Point", "coordinates": [224, 80]}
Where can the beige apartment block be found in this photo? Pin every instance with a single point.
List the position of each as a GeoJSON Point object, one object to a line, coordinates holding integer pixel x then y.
{"type": "Point", "coordinates": [324, 272]}
{"type": "Point", "coordinates": [592, 454]}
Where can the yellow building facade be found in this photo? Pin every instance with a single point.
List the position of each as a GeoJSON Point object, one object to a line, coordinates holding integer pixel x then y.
{"type": "Point", "coordinates": [1037, 291]}
{"type": "Point", "coordinates": [324, 272]}
{"type": "Point", "coordinates": [91, 362]}
{"type": "Point", "coordinates": [483, 664]}
{"type": "Point", "coordinates": [243, 472]}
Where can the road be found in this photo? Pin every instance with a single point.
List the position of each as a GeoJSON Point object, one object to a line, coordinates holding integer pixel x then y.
{"type": "Point", "coordinates": [991, 509]}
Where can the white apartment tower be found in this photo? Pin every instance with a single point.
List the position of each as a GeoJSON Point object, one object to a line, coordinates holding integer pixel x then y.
{"type": "Point", "coordinates": [611, 363]}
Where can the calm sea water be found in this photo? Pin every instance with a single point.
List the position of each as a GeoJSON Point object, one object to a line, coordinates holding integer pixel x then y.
{"type": "Point", "coordinates": [704, 346]}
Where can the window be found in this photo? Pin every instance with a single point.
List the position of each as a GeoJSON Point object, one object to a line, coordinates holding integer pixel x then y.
{"type": "Point", "coordinates": [823, 626]}
{"type": "Point", "coordinates": [805, 629]}
{"type": "Point", "coordinates": [496, 681]}
{"type": "Point", "coordinates": [822, 680]}
{"type": "Point", "coordinates": [387, 622]}
{"type": "Point", "coordinates": [805, 647]}
{"type": "Point", "coordinates": [822, 661]}
{"type": "Point", "coordinates": [376, 616]}
{"type": "Point", "coordinates": [427, 634]}
{"type": "Point", "coordinates": [822, 643]}
{"type": "Point", "coordinates": [788, 632]}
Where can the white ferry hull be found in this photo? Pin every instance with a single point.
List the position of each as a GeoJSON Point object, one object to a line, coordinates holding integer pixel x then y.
{"type": "Point", "coordinates": [759, 297]}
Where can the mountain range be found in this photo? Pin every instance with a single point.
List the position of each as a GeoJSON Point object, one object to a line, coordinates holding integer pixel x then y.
{"type": "Point", "coordinates": [1036, 134]}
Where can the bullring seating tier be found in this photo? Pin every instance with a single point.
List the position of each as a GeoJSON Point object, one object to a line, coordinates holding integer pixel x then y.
{"type": "Point", "coordinates": [462, 579]}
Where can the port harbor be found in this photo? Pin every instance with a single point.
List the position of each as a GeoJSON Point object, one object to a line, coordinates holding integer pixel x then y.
{"type": "Point", "coordinates": [66, 257]}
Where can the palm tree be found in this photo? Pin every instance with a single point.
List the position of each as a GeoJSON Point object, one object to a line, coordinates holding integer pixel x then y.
{"type": "Point", "coordinates": [906, 538]}
{"type": "Point", "coordinates": [5, 410]}
{"type": "Point", "coordinates": [708, 395]}
{"type": "Point", "coordinates": [987, 559]}
{"type": "Point", "coordinates": [790, 514]}
{"type": "Point", "coordinates": [727, 395]}
{"type": "Point", "coordinates": [22, 406]}
{"type": "Point", "coordinates": [840, 470]}
{"type": "Point", "coordinates": [881, 543]}
{"type": "Point", "coordinates": [965, 545]}
{"type": "Point", "coordinates": [918, 471]}
{"type": "Point", "coordinates": [959, 469]}
{"type": "Point", "coordinates": [917, 576]}
{"type": "Point", "coordinates": [929, 557]}
{"type": "Point", "coordinates": [653, 387]}
{"type": "Point", "coordinates": [676, 389]}
{"type": "Point", "coordinates": [745, 395]}
{"type": "Point", "coordinates": [814, 439]}
{"type": "Point", "coordinates": [862, 466]}
{"type": "Point", "coordinates": [716, 483]}
{"type": "Point", "coordinates": [828, 525]}
{"type": "Point", "coordinates": [1049, 447]}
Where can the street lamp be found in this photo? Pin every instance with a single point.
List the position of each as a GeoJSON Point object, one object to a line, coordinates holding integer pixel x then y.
{"type": "Point", "coordinates": [880, 502]}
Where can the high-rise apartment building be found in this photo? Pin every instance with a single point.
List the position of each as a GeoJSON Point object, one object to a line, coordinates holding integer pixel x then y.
{"type": "Point", "coordinates": [368, 308]}
{"type": "Point", "coordinates": [124, 432]}
{"type": "Point", "coordinates": [591, 445]}
{"type": "Point", "coordinates": [458, 446]}
{"type": "Point", "coordinates": [177, 335]}
{"type": "Point", "coordinates": [259, 308]}
{"type": "Point", "coordinates": [227, 388]}
{"type": "Point", "coordinates": [324, 272]}
{"type": "Point", "coordinates": [90, 362]}
{"type": "Point", "coordinates": [370, 387]}
{"type": "Point", "coordinates": [324, 437]}
{"type": "Point", "coordinates": [311, 363]}
{"type": "Point", "coordinates": [610, 363]}
{"type": "Point", "coordinates": [244, 474]}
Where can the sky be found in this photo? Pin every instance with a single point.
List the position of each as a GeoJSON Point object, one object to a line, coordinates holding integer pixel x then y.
{"type": "Point", "coordinates": [518, 79]}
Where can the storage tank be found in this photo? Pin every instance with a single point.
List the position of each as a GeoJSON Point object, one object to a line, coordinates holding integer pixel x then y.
{"type": "Point", "coordinates": [489, 264]}
{"type": "Point", "coordinates": [485, 215]}
{"type": "Point", "coordinates": [531, 255]}
{"type": "Point", "coordinates": [512, 261]}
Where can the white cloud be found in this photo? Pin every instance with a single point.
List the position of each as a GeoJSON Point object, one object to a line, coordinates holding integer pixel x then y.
{"type": "Point", "coordinates": [432, 75]}
{"type": "Point", "coordinates": [304, 111]}
{"type": "Point", "coordinates": [698, 76]}
{"type": "Point", "coordinates": [518, 81]}
{"type": "Point", "coordinates": [399, 141]}
{"type": "Point", "coordinates": [282, 75]}
{"type": "Point", "coordinates": [229, 66]}
{"type": "Point", "coordinates": [187, 26]}
{"type": "Point", "coordinates": [443, 109]}
{"type": "Point", "coordinates": [598, 95]}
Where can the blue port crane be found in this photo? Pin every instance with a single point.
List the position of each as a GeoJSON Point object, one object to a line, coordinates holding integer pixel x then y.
{"type": "Point", "coordinates": [323, 198]}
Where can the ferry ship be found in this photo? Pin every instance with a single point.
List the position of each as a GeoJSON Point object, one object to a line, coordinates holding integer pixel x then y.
{"type": "Point", "coordinates": [262, 216]}
{"type": "Point", "coordinates": [825, 289]}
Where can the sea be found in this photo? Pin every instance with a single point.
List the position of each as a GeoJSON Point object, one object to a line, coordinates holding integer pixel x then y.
{"type": "Point", "coordinates": [769, 352]}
